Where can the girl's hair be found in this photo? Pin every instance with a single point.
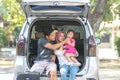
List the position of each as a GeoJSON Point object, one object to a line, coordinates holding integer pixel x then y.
{"type": "Point", "coordinates": [58, 34]}
{"type": "Point", "coordinates": [70, 31]}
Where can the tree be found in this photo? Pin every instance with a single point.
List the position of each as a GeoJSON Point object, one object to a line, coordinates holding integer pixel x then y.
{"type": "Point", "coordinates": [3, 38]}
{"type": "Point", "coordinates": [117, 44]}
{"type": "Point", "coordinates": [101, 11]}
{"type": "Point", "coordinates": [16, 32]}
{"type": "Point", "coordinates": [13, 17]}
{"type": "Point", "coordinates": [14, 14]}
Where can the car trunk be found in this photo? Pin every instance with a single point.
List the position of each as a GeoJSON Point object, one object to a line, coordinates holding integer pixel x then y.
{"type": "Point", "coordinates": [36, 31]}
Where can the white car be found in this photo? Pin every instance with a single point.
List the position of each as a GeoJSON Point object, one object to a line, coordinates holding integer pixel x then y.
{"type": "Point", "coordinates": [63, 15]}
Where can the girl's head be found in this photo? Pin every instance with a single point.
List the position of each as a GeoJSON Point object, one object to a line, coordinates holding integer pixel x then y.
{"type": "Point", "coordinates": [59, 36]}
{"type": "Point", "coordinates": [70, 34]}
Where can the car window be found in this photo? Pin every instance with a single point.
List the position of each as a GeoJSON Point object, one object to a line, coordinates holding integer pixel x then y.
{"type": "Point", "coordinates": [78, 29]}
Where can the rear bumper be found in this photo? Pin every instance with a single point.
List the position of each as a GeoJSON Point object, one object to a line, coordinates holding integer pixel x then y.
{"type": "Point", "coordinates": [93, 70]}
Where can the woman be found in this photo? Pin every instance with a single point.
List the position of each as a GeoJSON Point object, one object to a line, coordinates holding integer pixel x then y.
{"type": "Point", "coordinates": [64, 68]}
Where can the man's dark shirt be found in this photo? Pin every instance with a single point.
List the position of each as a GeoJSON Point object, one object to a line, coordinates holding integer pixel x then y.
{"type": "Point", "coordinates": [46, 55]}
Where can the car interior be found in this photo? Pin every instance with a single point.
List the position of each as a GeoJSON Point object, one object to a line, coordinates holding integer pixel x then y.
{"type": "Point", "coordinates": [64, 25]}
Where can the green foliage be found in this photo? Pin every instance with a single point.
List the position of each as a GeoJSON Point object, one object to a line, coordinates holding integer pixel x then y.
{"type": "Point", "coordinates": [3, 11]}
{"type": "Point", "coordinates": [102, 31]}
{"type": "Point", "coordinates": [117, 44]}
{"type": "Point", "coordinates": [3, 38]}
{"type": "Point", "coordinates": [16, 32]}
{"type": "Point", "coordinates": [108, 14]}
{"type": "Point", "coordinates": [110, 10]}
{"type": "Point", "coordinates": [117, 9]}
{"type": "Point", "coordinates": [14, 14]}
{"type": "Point", "coordinates": [93, 2]}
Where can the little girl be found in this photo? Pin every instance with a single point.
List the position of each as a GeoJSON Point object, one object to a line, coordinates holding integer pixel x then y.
{"type": "Point", "coordinates": [70, 50]}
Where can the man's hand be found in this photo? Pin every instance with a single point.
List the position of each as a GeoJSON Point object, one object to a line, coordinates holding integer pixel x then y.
{"type": "Point", "coordinates": [67, 40]}
{"type": "Point", "coordinates": [53, 57]}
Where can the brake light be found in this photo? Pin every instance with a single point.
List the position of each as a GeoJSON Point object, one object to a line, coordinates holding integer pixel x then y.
{"type": "Point", "coordinates": [92, 46]}
{"type": "Point", "coordinates": [21, 46]}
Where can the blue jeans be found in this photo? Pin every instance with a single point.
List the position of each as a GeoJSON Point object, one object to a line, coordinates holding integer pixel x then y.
{"type": "Point", "coordinates": [71, 70]}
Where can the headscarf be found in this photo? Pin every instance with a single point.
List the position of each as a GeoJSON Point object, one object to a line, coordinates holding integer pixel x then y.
{"type": "Point", "coordinates": [58, 34]}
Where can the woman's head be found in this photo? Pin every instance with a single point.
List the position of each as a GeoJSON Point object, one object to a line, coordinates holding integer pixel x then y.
{"type": "Point", "coordinates": [70, 33]}
{"type": "Point", "coordinates": [59, 36]}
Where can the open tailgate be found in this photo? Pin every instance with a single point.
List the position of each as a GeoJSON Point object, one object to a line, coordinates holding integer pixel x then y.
{"type": "Point", "coordinates": [55, 7]}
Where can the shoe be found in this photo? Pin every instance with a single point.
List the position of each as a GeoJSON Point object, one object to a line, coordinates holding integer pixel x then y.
{"type": "Point", "coordinates": [70, 63]}
{"type": "Point", "coordinates": [77, 64]}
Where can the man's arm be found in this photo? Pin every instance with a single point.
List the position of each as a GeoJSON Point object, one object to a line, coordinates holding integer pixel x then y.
{"type": "Point", "coordinates": [55, 46]}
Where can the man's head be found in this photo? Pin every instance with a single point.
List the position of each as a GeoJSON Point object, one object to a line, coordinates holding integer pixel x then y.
{"type": "Point", "coordinates": [49, 33]}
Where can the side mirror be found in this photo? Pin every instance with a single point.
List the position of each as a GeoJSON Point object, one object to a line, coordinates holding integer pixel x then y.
{"type": "Point", "coordinates": [97, 40]}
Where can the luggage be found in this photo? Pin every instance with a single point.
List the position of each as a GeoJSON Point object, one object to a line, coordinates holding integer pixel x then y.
{"type": "Point", "coordinates": [28, 76]}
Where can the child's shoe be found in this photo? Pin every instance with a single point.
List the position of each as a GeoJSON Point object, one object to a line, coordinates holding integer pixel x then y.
{"type": "Point", "coordinates": [70, 63]}
{"type": "Point", "coordinates": [77, 64]}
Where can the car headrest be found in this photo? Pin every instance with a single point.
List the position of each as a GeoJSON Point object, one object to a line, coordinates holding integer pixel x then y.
{"type": "Point", "coordinates": [76, 35]}
{"type": "Point", "coordinates": [39, 35]}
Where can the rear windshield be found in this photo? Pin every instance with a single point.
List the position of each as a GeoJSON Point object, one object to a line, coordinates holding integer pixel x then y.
{"type": "Point", "coordinates": [71, 8]}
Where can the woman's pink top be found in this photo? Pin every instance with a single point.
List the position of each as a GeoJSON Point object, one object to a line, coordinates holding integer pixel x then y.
{"type": "Point", "coordinates": [69, 48]}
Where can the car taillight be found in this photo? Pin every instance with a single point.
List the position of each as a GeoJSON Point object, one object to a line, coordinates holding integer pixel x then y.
{"type": "Point", "coordinates": [21, 46]}
{"type": "Point", "coordinates": [92, 46]}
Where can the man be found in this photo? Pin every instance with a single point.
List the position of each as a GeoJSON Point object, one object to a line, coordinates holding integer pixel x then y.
{"type": "Point", "coordinates": [45, 51]}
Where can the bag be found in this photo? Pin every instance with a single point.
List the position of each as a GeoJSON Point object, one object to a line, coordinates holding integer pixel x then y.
{"type": "Point", "coordinates": [28, 76]}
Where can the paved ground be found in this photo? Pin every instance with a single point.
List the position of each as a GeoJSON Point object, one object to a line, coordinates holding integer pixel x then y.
{"type": "Point", "coordinates": [6, 73]}
{"type": "Point", "coordinates": [106, 73]}
{"type": "Point", "coordinates": [107, 53]}
{"type": "Point", "coordinates": [109, 74]}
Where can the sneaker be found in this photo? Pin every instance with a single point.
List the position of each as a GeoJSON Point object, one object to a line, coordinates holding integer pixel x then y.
{"type": "Point", "coordinates": [70, 63]}
{"type": "Point", "coordinates": [77, 64]}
